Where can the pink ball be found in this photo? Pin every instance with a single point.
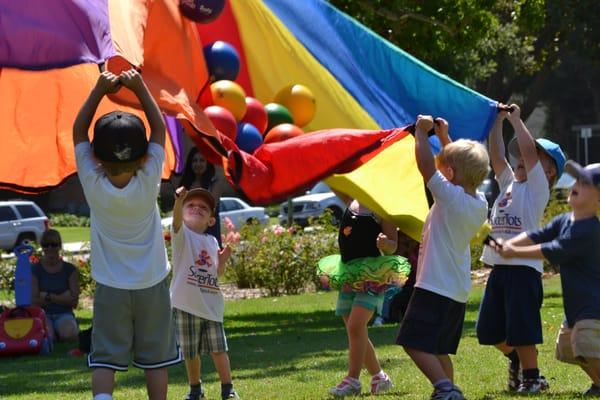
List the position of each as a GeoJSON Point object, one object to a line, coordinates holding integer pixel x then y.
{"type": "Point", "coordinates": [256, 114]}
{"type": "Point", "coordinates": [223, 120]}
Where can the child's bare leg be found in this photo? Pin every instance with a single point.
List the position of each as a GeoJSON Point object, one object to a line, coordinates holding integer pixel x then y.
{"type": "Point", "coordinates": [446, 362]}
{"type": "Point", "coordinates": [103, 381]}
{"type": "Point", "coordinates": [429, 364]}
{"type": "Point", "coordinates": [356, 327]}
{"type": "Point", "coordinates": [157, 381]}
{"type": "Point", "coordinates": [222, 366]}
{"type": "Point", "coordinates": [527, 356]}
{"type": "Point", "coordinates": [371, 361]}
{"type": "Point", "coordinates": [504, 348]}
{"type": "Point", "coordinates": [593, 369]}
{"type": "Point", "coordinates": [192, 366]}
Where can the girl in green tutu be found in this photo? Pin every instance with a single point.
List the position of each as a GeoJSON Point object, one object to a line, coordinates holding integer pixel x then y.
{"type": "Point", "coordinates": [361, 272]}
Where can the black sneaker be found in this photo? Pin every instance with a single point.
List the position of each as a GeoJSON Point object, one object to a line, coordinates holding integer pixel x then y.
{"type": "Point", "coordinates": [593, 391]}
{"type": "Point", "coordinates": [194, 396]}
{"type": "Point", "coordinates": [533, 386]}
{"type": "Point", "coordinates": [232, 394]}
{"type": "Point", "coordinates": [515, 375]}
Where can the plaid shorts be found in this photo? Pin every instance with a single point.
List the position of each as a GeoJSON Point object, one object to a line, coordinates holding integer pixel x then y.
{"type": "Point", "coordinates": [198, 335]}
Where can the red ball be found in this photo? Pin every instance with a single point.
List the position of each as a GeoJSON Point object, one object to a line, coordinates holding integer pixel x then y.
{"type": "Point", "coordinates": [256, 114]}
{"type": "Point", "coordinates": [281, 132]}
{"type": "Point", "coordinates": [223, 120]}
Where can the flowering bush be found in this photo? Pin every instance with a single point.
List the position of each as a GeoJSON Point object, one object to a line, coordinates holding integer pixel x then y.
{"type": "Point", "coordinates": [279, 259]}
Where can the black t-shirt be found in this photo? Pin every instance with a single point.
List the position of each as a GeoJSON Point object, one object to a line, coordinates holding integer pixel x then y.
{"type": "Point", "coordinates": [358, 236]}
{"type": "Point", "coordinates": [575, 247]}
{"type": "Point", "coordinates": [55, 283]}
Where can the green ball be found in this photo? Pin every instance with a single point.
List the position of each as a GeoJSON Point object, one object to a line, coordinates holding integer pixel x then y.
{"type": "Point", "coordinates": [277, 114]}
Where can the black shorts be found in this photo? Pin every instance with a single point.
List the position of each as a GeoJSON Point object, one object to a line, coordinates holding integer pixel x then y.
{"type": "Point", "coordinates": [510, 308]}
{"type": "Point", "coordinates": [432, 323]}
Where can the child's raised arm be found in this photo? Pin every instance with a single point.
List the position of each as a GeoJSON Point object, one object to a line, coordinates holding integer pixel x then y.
{"type": "Point", "coordinates": [178, 208]}
{"type": "Point", "coordinates": [133, 80]}
{"type": "Point", "coordinates": [440, 128]}
{"type": "Point", "coordinates": [496, 142]}
{"type": "Point", "coordinates": [107, 83]}
{"type": "Point", "coordinates": [423, 154]}
{"type": "Point", "coordinates": [524, 139]}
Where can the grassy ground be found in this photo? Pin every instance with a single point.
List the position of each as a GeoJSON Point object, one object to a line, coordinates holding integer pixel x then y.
{"type": "Point", "coordinates": [74, 234]}
{"type": "Point", "coordinates": [295, 348]}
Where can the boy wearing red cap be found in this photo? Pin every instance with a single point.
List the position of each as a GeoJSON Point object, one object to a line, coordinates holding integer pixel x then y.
{"type": "Point", "coordinates": [198, 305]}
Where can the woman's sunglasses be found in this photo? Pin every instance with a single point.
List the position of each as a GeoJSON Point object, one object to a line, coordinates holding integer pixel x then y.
{"type": "Point", "coordinates": [50, 245]}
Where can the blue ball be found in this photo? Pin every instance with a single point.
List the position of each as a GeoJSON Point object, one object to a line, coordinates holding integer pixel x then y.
{"type": "Point", "coordinates": [248, 137]}
{"type": "Point", "coordinates": [202, 11]}
{"type": "Point", "coordinates": [223, 60]}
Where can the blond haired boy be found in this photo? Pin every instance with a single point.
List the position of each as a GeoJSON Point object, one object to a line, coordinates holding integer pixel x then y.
{"type": "Point", "coordinates": [432, 326]}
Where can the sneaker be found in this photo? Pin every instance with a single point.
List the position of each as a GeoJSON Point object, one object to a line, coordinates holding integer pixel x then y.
{"type": "Point", "coordinates": [231, 395]}
{"type": "Point", "coordinates": [193, 396]}
{"type": "Point", "coordinates": [533, 386]}
{"type": "Point", "coordinates": [515, 376]}
{"type": "Point", "coordinates": [593, 391]}
{"type": "Point", "coordinates": [378, 321]}
{"type": "Point", "coordinates": [380, 385]}
{"type": "Point", "coordinates": [452, 394]}
{"type": "Point", "coordinates": [345, 388]}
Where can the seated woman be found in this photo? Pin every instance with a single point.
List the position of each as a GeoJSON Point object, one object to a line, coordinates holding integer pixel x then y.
{"type": "Point", "coordinates": [55, 287]}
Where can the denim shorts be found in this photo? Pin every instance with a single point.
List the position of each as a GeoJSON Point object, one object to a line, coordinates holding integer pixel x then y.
{"type": "Point", "coordinates": [347, 300]}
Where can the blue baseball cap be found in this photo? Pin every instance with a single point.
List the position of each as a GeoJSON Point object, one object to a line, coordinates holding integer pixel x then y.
{"type": "Point", "coordinates": [589, 174]}
{"type": "Point", "coordinates": [547, 146]}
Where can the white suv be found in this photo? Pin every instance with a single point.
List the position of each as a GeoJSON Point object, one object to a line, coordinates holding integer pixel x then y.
{"type": "Point", "coordinates": [313, 204]}
{"type": "Point", "coordinates": [20, 222]}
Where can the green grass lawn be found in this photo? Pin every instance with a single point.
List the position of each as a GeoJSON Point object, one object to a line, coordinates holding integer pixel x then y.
{"type": "Point", "coordinates": [295, 348]}
{"type": "Point", "coordinates": [74, 234]}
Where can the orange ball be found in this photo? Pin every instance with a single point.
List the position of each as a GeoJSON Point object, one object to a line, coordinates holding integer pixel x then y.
{"type": "Point", "coordinates": [231, 96]}
{"type": "Point", "coordinates": [281, 132]}
{"type": "Point", "coordinates": [300, 101]}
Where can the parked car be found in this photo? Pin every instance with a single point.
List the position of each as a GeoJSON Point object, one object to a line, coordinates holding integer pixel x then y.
{"type": "Point", "coordinates": [313, 204]}
{"type": "Point", "coordinates": [237, 210]}
{"type": "Point", "coordinates": [21, 222]}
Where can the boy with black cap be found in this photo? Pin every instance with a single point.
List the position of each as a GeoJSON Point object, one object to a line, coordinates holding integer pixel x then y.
{"type": "Point", "coordinates": [198, 305]}
{"type": "Point", "coordinates": [120, 173]}
{"type": "Point", "coordinates": [509, 315]}
{"type": "Point", "coordinates": [572, 241]}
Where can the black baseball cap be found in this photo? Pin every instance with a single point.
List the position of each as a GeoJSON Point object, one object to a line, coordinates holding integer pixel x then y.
{"type": "Point", "coordinates": [119, 137]}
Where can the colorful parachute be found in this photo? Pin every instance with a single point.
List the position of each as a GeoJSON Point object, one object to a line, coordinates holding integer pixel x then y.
{"type": "Point", "coordinates": [360, 82]}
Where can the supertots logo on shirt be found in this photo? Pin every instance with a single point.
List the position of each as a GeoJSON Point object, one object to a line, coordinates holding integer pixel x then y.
{"type": "Point", "coordinates": [503, 220]}
{"type": "Point", "coordinates": [200, 275]}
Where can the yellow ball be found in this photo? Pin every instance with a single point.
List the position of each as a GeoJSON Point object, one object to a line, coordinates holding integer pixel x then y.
{"type": "Point", "coordinates": [229, 95]}
{"type": "Point", "coordinates": [300, 101]}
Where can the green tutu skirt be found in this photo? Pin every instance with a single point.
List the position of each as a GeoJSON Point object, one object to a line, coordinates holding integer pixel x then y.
{"type": "Point", "coordinates": [367, 274]}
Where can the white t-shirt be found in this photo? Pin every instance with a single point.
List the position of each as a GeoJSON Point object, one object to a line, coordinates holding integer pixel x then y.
{"type": "Point", "coordinates": [518, 208]}
{"type": "Point", "coordinates": [195, 284]}
{"type": "Point", "coordinates": [444, 265]}
{"type": "Point", "coordinates": [127, 246]}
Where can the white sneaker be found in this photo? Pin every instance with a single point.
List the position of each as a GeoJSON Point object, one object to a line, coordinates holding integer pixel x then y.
{"type": "Point", "coordinates": [380, 384]}
{"type": "Point", "coordinates": [346, 388]}
{"type": "Point", "coordinates": [378, 321]}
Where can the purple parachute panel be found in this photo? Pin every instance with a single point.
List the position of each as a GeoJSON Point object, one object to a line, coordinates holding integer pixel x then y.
{"type": "Point", "coordinates": [41, 34]}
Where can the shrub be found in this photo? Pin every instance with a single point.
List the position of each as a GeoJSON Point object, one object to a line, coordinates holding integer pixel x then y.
{"type": "Point", "coordinates": [69, 220]}
{"type": "Point", "coordinates": [281, 260]}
